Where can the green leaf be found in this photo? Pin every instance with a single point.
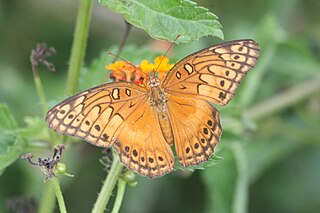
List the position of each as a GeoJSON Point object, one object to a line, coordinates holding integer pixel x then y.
{"type": "Point", "coordinates": [213, 160]}
{"type": "Point", "coordinates": [11, 143]}
{"type": "Point", "coordinates": [7, 121]}
{"type": "Point", "coordinates": [165, 19]}
{"type": "Point", "coordinates": [96, 73]}
{"type": "Point", "coordinates": [35, 130]}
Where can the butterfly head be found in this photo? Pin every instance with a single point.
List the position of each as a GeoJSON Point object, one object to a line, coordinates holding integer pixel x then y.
{"type": "Point", "coordinates": [152, 81]}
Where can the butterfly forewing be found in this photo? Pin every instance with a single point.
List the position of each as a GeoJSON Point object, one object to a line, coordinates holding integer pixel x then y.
{"type": "Point", "coordinates": [96, 115]}
{"type": "Point", "coordinates": [214, 73]}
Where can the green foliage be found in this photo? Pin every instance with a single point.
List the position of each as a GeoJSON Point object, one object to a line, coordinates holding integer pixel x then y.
{"type": "Point", "coordinates": [213, 160]}
{"type": "Point", "coordinates": [35, 129]}
{"type": "Point", "coordinates": [165, 19]}
{"type": "Point", "coordinates": [11, 143]}
{"type": "Point", "coordinates": [7, 121]}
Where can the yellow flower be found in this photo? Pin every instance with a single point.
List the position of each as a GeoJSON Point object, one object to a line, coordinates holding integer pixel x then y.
{"type": "Point", "coordinates": [146, 66]}
{"type": "Point", "coordinates": [161, 64]}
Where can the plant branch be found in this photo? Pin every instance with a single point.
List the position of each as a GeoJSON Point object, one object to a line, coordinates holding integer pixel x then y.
{"type": "Point", "coordinates": [40, 90]}
{"type": "Point", "coordinates": [284, 99]}
{"type": "Point", "coordinates": [79, 45]}
{"type": "Point", "coordinates": [119, 196]}
{"type": "Point", "coordinates": [38, 56]}
{"type": "Point", "coordinates": [240, 199]}
{"type": "Point", "coordinates": [108, 186]}
{"type": "Point", "coordinates": [57, 190]}
{"type": "Point", "coordinates": [124, 39]}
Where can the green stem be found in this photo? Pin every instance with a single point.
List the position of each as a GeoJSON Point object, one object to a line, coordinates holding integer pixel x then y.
{"type": "Point", "coordinates": [119, 197]}
{"type": "Point", "coordinates": [47, 200]}
{"type": "Point", "coordinates": [240, 199]}
{"type": "Point", "coordinates": [43, 99]}
{"type": "Point", "coordinates": [40, 90]}
{"type": "Point", "coordinates": [57, 190]}
{"type": "Point", "coordinates": [108, 186]}
{"type": "Point", "coordinates": [79, 45]}
{"type": "Point", "coordinates": [284, 99]}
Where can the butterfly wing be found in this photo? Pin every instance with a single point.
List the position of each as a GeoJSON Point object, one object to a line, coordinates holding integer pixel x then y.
{"type": "Point", "coordinates": [116, 114]}
{"type": "Point", "coordinates": [196, 128]}
{"type": "Point", "coordinates": [141, 145]}
{"type": "Point", "coordinates": [214, 73]}
{"type": "Point", "coordinates": [96, 115]}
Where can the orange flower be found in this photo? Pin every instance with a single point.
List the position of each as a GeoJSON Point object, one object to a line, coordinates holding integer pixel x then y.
{"type": "Point", "coordinates": [123, 71]}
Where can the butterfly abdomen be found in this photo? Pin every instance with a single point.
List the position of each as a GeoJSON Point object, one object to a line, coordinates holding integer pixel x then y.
{"type": "Point", "coordinates": [159, 103]}
{"type": "Point", "coordinates": [165, 126]}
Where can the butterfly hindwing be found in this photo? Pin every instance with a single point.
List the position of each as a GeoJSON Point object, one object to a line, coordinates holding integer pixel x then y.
{"type": "Point", "coordinates": [141, 145]}
{"type": "Point", "coordinates": [214, 73]}
{"type": "Point", "coordinates": [97, 114]}
{"type": "Point", "coordinates": [196, 128]}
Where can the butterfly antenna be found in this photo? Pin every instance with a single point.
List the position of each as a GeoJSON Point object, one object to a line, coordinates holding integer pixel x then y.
{"type": "Point", "coordinates": [168, 51]}
{"type": "Point", "coordinates": [116, 56]}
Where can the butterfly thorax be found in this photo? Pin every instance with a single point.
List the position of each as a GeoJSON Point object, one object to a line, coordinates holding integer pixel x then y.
{"type": "Point", "coordinates": [157, 97]}
{"type": "Point", "coordinates": [158, 101]}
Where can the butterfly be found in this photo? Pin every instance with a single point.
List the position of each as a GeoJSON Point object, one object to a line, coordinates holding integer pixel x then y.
{"type": "Point", "coordinates": [142, 123]}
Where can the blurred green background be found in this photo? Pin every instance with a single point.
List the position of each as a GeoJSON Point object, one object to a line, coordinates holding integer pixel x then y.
{"type": "Point", "coordinates": [271, 139]}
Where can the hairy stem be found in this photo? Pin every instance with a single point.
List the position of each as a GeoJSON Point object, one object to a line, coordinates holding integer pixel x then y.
{"type": "Point", "coordinates": [79, 45]}
{"type": "Point", "coordinates": [108, 186]}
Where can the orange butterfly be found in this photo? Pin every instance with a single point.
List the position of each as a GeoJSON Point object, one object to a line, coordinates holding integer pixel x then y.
{"type": "Point", "coordinates": [143, 122]}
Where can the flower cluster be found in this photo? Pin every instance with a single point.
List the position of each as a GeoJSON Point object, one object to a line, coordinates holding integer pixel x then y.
{"type": "Point", "coordinates": [125, 71]}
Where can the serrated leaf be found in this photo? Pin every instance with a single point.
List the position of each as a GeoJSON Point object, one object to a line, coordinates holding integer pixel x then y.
{"type": "Point", "coordinates": [11, 143]}
{"type": "Point", "coordinates": [165, 19]}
